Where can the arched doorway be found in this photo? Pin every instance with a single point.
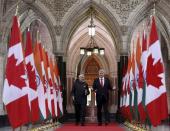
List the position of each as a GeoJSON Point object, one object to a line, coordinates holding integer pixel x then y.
{"type": "Point", "coordinates": [77, 63]}
{"type": "Point", "coordinates": [91, 69]}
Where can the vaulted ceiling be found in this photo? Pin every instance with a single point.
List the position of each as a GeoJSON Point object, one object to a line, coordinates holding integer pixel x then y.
{"type": "Point", "coordinates": [64, 17]}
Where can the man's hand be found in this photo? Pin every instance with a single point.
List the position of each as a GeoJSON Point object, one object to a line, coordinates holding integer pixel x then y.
{"type": "Point", "coordinates": [93, 90]}
{"type": "Point", "coordinates": [114, 88]}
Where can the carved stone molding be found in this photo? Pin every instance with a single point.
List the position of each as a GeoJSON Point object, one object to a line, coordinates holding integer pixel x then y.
{"type": "Point", "coordinates": [124, 29]}
{"type": "Point", "coordinates": [29, 1]}
{"type": "Point", "coordinates": [58, 29]}
{"type": "Point", "coordinates": [58, 7]}
{"type": "Point", "coordinates": [8, 4]}
{"type": "Point", "coordinates": [124, 7]}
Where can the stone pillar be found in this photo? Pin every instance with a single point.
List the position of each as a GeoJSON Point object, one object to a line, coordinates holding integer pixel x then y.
{"type": "Point", "coordinates": [70, 81]}
{"type": "Point", "coordinates": [166, 61]}
{"type": "Point", "coordinates": [2, 76]}
{"type": "Point", "coordinates": [167, 80]}
{"type": "Point", "coordinates": [113, 95]}
{"type": "Point", "coordinates": [3, 46]}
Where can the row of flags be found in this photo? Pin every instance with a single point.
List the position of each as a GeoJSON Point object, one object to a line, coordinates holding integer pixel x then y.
{"type": "Point", "coordinates": [32, 87]}
{"type": "Point", "coordinates": [143, 94]}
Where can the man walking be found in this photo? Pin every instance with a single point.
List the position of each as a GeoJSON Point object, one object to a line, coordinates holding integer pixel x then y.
{"type": "Point", "coordinates": [101, 86]}
{"type": "Point", "coordinates": [79, 94]}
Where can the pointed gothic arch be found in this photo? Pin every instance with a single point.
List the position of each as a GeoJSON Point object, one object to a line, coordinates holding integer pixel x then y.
{"type": "Point", "coordinates": [80, 14]}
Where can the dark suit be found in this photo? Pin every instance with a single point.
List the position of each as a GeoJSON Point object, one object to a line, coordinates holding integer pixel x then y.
{"type": "Point", "coordinates": [80, 91]}
{"type": "Point", "coordinates": [102, 97]}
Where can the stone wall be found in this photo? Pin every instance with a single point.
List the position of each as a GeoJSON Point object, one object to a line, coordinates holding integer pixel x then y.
{"type": "Point", "coordinates": [1, 83]}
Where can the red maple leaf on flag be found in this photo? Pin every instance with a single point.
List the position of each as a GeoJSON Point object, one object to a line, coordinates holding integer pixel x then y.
{"type": "Point", "coordinates": [31, 76]}
{"type": "Point", "coordinates": [141, 79]}
{"type": "Point", "coordinates": [128, 86]}
{"type": "Point", "coordinates": [15, 73]}
{"type": "Point", "coordinates": [153, 72]}
{"type": "Point", "coordinates": [45, 83]}
{"type": "Point", "coordinates": [50, 82]}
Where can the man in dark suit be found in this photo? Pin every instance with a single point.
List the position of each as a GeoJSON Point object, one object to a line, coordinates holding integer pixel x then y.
{"type": "Point", "coordinates": [102, 86]}
{"type": "Point", "coordinates": [79, 94]}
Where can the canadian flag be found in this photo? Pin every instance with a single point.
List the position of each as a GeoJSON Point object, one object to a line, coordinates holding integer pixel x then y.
{"type": "Point", "coordinates": [139, 80]}
{"type": "Point", "coordinates": [54, 86]}
{"type": "Point", "coordinates": [127, 111]}
{"type": "Point", "coordinates": [15, 93]}
{"type": "Point", "coordinates": [58, 91]}
{"type": "Point", "coordinates": [132, 82]}
{"type": "Point", "coordinates": [123, 96]}
{"type": "Point", "coordinates": [30, 66]}
{"type": "Point", "coordinates": [52, 91]}
{"type": "Point", "coordinates": [156, 98]}
{"type": "Point", "coordinates": [45, 82]}
{"type": "Point", "coordinates": [47, 85]}
{"type": "Point", "coordinates": [60, 97]}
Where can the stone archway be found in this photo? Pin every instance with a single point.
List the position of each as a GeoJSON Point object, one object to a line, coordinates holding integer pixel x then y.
{"type": "Point", "coordinates": [75, 60]}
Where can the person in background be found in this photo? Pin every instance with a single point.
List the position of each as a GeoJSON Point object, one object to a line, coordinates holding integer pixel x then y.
{"type": "Point", "coordinates": [80, 91]}
{"type": "Point", "coordinates": [101, 86]}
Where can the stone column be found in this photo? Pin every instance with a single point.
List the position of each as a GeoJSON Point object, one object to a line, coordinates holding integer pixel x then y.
{"type": "Point", "coordinates": [113, 95]}
{"type": "Point", "coordinates": [166, 61]}
{"type": "Point", "coordinates": [3, 46]}
{"type": "Point", "coordinates": [70, 80]}
{"type": "Point", "coordinates": [2, 76]}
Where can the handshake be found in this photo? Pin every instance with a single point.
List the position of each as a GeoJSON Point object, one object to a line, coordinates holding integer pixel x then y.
{"type": "Point", "coordinates": [93, 90]}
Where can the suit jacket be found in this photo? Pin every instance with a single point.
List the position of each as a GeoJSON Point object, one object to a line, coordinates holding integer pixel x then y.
{"type": "Point", "coordinates": [101, 91]}
{"type": "Point", "coordinates": [80, 91]}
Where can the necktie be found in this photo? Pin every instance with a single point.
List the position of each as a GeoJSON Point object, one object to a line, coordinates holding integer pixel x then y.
{"type": "Point", "coordinates": [101, 82]}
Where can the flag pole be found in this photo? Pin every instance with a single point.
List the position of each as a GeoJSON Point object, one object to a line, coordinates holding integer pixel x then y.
{"type": "Point", "coordinates": [152, 15]}
{"type": "Point", "coordinates": [16, 11]}
{"type": "Point", "coordinates": [154, 10]}
{"type": "Point", "coordinates": [144, 34]}
{"type": "Point", "coordinates": [28, 28]}
{"type": "Point", "coordinates": [37, 35]}
{"type": "Point", "coordinates": [20, 128]}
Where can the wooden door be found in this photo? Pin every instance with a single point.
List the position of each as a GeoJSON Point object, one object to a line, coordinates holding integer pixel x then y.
{"type": "Point", "coordinates": [91, 73]}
